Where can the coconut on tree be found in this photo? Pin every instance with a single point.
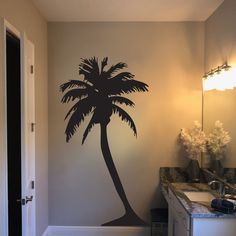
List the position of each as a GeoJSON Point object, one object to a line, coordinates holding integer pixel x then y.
{"type": "Point", "coordinates": [100, 93]}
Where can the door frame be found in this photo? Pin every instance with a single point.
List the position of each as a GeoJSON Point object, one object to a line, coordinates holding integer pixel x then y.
{"type": "Point", "coordinates": [4, 27]}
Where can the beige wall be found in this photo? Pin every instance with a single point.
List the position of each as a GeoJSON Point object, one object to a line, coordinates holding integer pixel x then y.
{"type": "Point", "coordinates": [24, 16]}
{"type": "Point", "coordinates": [220, 36]}
{"type": "Point", "coordinates": [220, 47]}
{"type": "Point", "coordinates": [169, 58]}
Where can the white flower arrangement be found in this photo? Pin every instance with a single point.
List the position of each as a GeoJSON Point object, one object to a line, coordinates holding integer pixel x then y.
{"type": "Point", "coordinates": [193, 140]}
{"type": "Point", "coordinates": [217, 141]}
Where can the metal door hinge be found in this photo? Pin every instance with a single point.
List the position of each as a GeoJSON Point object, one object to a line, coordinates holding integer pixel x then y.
{"type": "Point", "coordinates": [32, 127]}
{"type": "Point", "coordinates": [31, 69]}
{"type": "Point", "coordinates": [32, 184]}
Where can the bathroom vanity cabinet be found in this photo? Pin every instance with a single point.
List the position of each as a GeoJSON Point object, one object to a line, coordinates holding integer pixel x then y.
{"type": "Point", "coordinates": [182, 224]}
{"type": "Point", "coordinates": [179, 220]}
{"type": "Point", "coordinates": [192, 218]}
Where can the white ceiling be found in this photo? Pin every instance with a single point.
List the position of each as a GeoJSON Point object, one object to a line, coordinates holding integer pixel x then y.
{"type": "Point", "coordinates": [127, 10]}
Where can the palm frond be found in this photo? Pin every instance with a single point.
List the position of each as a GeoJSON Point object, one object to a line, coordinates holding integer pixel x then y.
{"type": "Point", "coordinates": [104, 63]}
{"type": "Point", "coordinates": [114, 68]}
{"type": "Point", "coordinates": [117, 87]}
{"type": "Point", "coordinates": [79, 111]}
{"type": "Point", "coordinates": [87, 100]}
{"type": "Point", "coordinates": [122, 100]}
{"type": "Point", "coordinates": [72, 84]}
{"type": "Point", "coordinates": [124, 117]}
{"type": "Point", "coordinates": [73, 94]}
{"type": "Point", "coordinates": [123, 76]}
{"type": "Point", "coordinates": [72, 109]}
{"type": "Point", "coordinates": [90, 69]}
{"type": "Point", "coordinates": [88, 129]}
{"type": "Point", "coordinates": [99, 93]}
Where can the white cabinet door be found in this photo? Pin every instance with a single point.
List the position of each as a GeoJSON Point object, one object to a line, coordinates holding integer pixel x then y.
{"type": "Point", "coordinates": [179, 229]}
{"type": "Point", "coordinates": [178, 224]}
{"type": "Point", "coordinates": [214, 227]}
{"type": "Point", "coordinates": [170, 221]}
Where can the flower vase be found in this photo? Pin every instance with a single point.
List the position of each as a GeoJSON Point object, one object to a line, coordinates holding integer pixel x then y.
{"type": "Point", "coordinates": [193, 171]}
{"type": "Point", "coordinates": [217, 167]}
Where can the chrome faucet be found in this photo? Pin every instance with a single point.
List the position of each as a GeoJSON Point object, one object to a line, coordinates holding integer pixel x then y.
{"type": "Point", "coordinates": [221, 187]}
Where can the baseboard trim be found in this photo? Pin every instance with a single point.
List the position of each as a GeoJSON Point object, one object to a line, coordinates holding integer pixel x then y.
{"type": "Point", "coordinates": [45, 232]}
{"type": "Point", "coordinates": [96, 231]}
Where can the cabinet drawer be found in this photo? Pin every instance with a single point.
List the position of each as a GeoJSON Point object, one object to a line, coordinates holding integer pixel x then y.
{"type": "Point", "coordinates": [179, 211]}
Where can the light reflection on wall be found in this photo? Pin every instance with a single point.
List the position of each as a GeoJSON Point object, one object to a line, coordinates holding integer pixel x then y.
{"type": "Point", "coordinates": [220, 105]}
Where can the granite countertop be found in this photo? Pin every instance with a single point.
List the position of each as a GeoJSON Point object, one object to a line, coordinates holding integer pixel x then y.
{"type": "Point", "coordinates": [176, 180]}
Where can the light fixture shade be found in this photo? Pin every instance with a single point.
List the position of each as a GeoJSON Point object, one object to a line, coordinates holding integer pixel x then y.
{"type": "Point", "coordinates": [208, 83]}
{"type": "Point", "coordinates": [221, 78]}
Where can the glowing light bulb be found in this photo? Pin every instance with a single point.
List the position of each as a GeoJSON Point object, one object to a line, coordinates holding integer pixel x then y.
{"type": "Point", "coordinates": [208, 83]}
{"type": "Point", "coordinates": [220, 80]}
{"type": "Point", "coordinates": [232, 75]}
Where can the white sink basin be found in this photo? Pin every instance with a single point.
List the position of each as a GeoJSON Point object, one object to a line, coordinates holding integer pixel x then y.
{"type": "Point", "coordinates": [199, 196]}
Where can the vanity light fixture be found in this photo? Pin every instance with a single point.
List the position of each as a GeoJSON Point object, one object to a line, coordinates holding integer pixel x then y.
{"type": "Point", "coordinates": [220, 78]}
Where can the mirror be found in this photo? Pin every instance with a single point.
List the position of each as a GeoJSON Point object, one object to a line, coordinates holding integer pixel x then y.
{"type": "Point", "coordinates": [220, 105]}
{"type": "Point", "coordinates": [220, 47]}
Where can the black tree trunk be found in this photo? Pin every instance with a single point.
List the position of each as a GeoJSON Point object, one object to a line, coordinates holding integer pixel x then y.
{"type": "Point", "coordinates": [130, 217]}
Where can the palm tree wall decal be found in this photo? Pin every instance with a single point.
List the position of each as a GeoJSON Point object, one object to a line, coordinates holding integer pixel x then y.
{"type": "Point", "coordinates": [99, 93]}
